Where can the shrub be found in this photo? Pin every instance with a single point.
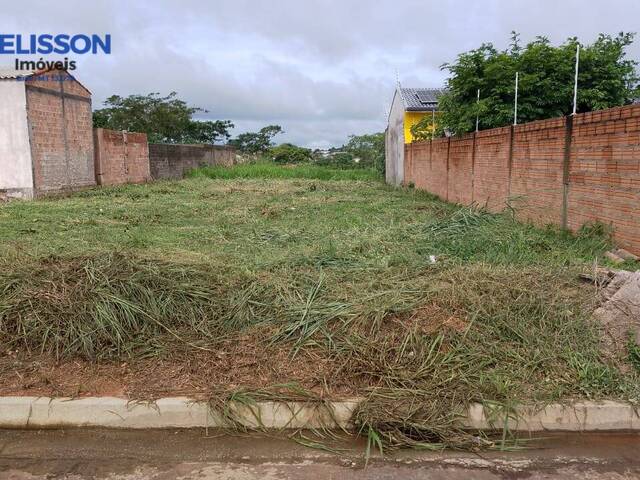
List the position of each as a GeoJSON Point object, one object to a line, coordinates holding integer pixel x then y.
{"type": "Point", "coordinates": [288, 153]}
{"type": "Point", "coordinates": [369, 149]}
{"type": "Point", "coordinates": [343, 160]}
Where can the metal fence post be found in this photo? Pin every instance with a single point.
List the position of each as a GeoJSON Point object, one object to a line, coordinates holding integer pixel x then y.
{"type": "Point", "coordinates": [568, 133]}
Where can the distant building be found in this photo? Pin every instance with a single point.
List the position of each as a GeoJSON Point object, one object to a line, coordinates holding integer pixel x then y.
{"type": "Point", "coordinates": [46, 133]}
{"type": "Point", "coordinates": [408, 107]}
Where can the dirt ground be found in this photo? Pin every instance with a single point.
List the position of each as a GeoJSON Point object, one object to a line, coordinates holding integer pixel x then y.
{"type": "Point", "coordinates": [244, 362]}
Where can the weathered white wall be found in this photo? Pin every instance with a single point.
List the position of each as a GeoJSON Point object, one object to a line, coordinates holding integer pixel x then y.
{"type": "Point", "coordinates": [16, 176]}
{"type": "Point", "coordinates": [394, 142]}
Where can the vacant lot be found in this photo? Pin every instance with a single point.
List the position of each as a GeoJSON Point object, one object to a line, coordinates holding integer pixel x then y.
{"type": "Point", "coordinates": [228, 287]}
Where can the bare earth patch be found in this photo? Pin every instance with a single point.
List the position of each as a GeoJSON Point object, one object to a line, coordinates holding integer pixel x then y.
{"type": "Point", "coordinates": [239, 362]}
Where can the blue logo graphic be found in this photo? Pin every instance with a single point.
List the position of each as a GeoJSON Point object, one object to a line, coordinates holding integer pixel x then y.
{"type": "Point", "coordinates": [62, 44]}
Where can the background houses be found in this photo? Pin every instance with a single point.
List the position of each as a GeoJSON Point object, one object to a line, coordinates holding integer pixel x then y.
{"type": "Point", "coordinates": [408, 107]}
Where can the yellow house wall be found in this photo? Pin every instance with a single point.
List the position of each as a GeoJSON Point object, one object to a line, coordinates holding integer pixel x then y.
{"type": "Point", "coordinates": [410, 119]}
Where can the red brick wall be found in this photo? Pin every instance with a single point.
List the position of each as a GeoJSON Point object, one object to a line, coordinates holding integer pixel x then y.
{"type": "Point", "coordinates": [46, 132]}
{"type": "Point", "coordinates": [417, 163]}
{"type": "Point", "coordinates": [121, 157]}
{"type": "Point", "coordinates": [437, 181]}
{"type": "Point", "coordinates": [491, 168]}
{"type": "Point", "coordinates": [525, 167]}
{"type": "Point", "coordinates": [460, 178]}
{"type": "Point", "coordinates": [604, 172]}
{"type": "Point", "coordinates": [536, 171]}
{"type": "Point", "coordinates": [60, 132]}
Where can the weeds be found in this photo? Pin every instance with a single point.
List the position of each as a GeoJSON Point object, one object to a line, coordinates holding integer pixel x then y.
{"type": "Point", "coordinates": [334, 270]}
{"type": "Point", "coordinates": [104, 306]}
{"type": "Point", "coordinates": [305, 441]}
{"type": "Point", "coordinates": [373, 441]}
{"type": "Point", "coordinates": [272, 170]}
{"type": "Point", "coordinates": [236, 406]}
{"type": "Point", "coordinates": [634, 352]}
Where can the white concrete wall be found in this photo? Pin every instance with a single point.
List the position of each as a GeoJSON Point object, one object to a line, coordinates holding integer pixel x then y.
{"type": "Point", "coordinates": [16, 175]}
{"type": "Point", "coordinates": [394, 142]}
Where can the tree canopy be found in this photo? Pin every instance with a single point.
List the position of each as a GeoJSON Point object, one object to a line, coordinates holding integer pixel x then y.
{"type": "Point", "coordinates": [289, 153]}
{"type": "Point", "coordinates": [546, 77]}
{"type": "Point", "coordinates": [256, 142]}
{"type": "Point", "coordinates": [369, 148]}
{"type": "Point", "coordinates": [164, 119]}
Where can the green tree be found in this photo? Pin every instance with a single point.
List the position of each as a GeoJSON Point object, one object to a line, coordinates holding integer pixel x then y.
{"type": "Point", "coordinates": [164, 119]}
{"type": "Point", "coordinates": [546, 75]}
{"type": "Point", "coordinates": [256, 142]}
{"type": "Point", "coordinates": [344, 160]}
{"type": "Point", "coordinates": [426, 128]}
{"type": "Point", "coordinates": [368, 148]}
{"type": "Point", "coordinates": [289, 153]}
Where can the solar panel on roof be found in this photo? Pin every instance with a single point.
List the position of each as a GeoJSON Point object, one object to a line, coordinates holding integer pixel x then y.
{"type": "Point", "coordinates": [425, 98]}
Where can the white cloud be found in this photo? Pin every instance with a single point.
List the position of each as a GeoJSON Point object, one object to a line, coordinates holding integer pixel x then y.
{"type": "Point", "coordinates": [322, 69]}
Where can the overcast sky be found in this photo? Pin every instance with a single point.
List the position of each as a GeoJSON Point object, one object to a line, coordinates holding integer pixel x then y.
{"type": "Point", "coordinates": [321, 69]}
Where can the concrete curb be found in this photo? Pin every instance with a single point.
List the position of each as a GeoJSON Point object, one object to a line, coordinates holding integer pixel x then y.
{"type": "Point", "coordinates": [174, 412]}
{"type": "Point", "coordinates": [182, 412]}
{"type": "Point", "coordinates": [583, 416]}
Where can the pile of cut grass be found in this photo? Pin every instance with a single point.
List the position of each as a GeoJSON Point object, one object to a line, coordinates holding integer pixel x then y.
{"type": "Point", "coordinates": [104, 307]}
{"type": "Point", "coordinates": [339, 270]}
{"type": "Point", "coordinates": [500, 336]}
{"type": "Point", "coordinates": [419, 353]}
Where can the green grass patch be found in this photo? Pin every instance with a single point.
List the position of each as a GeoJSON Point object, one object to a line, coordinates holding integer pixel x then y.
{"type": "Point", "coordinates": [340, 270]}
{"type": "Point", "coordinates": [633, 347]}
{"type": "Point", "coordinates": [272, 170]}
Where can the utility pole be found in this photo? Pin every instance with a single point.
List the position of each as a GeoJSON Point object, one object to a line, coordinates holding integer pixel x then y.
{"type": "Point", "coordinates": [575, 82]}
{"type": "Point", "coordinates": [515, 105]}
{"type": "Point", "coordinates": [433, 123]}
{"type": "Point", "coordinates": [477, 106]}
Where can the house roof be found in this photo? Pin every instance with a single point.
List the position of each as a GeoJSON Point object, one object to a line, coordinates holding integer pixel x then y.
{"type": "Point", "coordinates": [7, 73]}
{"type": "Point", "coordinates": [10, 73]}
{"type": "Point", "coordinates": [421, 99]}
